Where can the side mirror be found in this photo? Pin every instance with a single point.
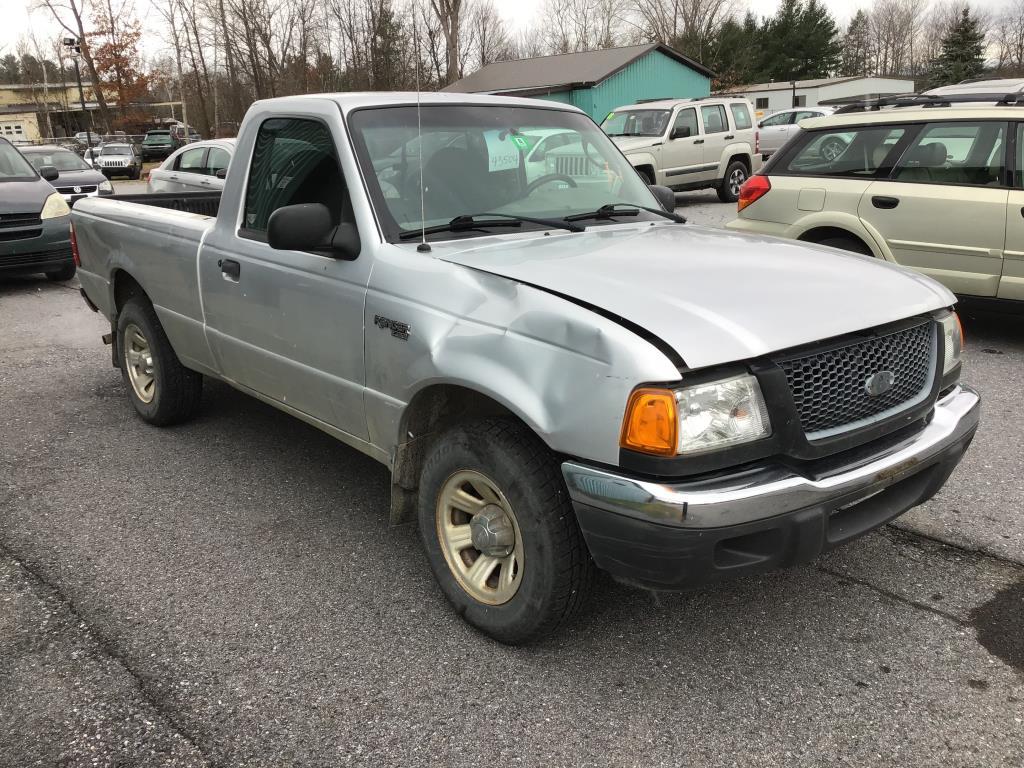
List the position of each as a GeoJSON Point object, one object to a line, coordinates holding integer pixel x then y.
{"type": "Point", "coordinates": [308, 227]}
{"type": "Point", "coordinates": [49, 173]}
{"type": "Point", "coordinates": [680, 132]}
{"type": "Point", "coordinates": [221, 173]}
{"type": "Point", "coordinates": [666, 197]}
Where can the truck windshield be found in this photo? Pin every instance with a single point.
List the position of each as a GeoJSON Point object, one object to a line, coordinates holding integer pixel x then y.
{"type": "Point", "coordinates": [491, 159]}
{"type": "Point", "coordinates": [636, 122]}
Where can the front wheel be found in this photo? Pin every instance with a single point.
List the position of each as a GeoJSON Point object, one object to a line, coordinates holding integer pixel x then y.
{"type": "Point", "coordinates": [162, 390]}
{"type": "Point", "coordinates": [500, 533]}
{"type": "Point", "coordinates": [735, 175]}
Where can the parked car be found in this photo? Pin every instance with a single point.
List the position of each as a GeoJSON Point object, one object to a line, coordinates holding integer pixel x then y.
{"type": "Point", "coordinates": [117, 159]}
{"type": "Point", "coordinates": [558, 375]}
{"type": "Point", "coordinates": [34, 222]}
{"type": "Point", "coordinates": [75, 177]}
{"type": "Point", "coordinates": [936, 189]}
{"type": "Point", "coordinates": [193, 168]}
{"type": "Point", "coordinates": [778, 127]}
{"type": "Point", "coordinates": [157, 145]}
{"type": "Point", "coordinates": [89, 138]}
{"type": "Point", "coordinates": [690, 143]}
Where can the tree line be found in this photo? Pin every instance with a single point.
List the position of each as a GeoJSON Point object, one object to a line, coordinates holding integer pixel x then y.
{"type": "Point", "coordinates": [220, 55]}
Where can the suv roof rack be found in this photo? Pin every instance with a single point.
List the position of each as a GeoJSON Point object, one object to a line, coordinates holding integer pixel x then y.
{"type": "Point", "coordinates": [847, 106]}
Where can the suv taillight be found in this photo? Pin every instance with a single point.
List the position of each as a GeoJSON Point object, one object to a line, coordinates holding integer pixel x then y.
{"type": "Point", "coordinates": [753, 189]}
{"type": "Point", "coordinates": [757, 142]}
{"type": "Point", "coordinates": [74, 248]}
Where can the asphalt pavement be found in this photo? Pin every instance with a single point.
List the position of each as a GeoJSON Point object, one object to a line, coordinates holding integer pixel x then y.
{"type": "Point", "coordinates": [228, 593]}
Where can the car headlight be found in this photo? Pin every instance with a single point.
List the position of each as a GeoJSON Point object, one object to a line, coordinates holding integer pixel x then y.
{"type": "Point", "coordinates": [54, 207]}
{"type": "Point", "coordinates": [953, 341]}
{"type": "Point", "coordinates": [106, 186]}
{"type": "Point", "coordinates": [695, 419]}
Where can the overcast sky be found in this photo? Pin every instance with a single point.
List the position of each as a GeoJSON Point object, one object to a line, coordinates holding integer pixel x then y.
{"type": "Point", "coordinates": [17, 21]}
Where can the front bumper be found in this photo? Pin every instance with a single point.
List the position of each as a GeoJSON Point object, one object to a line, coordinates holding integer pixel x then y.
{"type": "Point", "coordinates": [49, 251]}
{"type": "Point", "coordinates": [681, 535]}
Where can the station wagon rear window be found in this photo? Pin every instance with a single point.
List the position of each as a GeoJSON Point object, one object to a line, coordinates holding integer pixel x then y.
{"type": "Point", "coordinates": [854, 152]}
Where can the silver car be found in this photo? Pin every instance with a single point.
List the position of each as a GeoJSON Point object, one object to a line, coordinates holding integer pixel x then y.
{"type": "Point", "coordinates": [777, 128]}
{"type": "Point", "coordinates": [198, 167]}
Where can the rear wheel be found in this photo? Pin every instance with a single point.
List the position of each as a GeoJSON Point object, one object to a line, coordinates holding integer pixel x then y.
{"type": "Point", "coordinates": [500, 533]}
{"type": "Point", "coordinates": [846, 244]}
{"type": "Point", "coordinates": [162, 390]}
{"type": "Point", "coordinates": [62, 274]}
{"type": "Point", "coordinates": [735, 175]}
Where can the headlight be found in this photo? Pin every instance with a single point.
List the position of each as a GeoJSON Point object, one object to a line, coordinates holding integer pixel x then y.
{"type": "Point", "coordinates": [953, 341]}
{"type": "Point", "coordinates": [54, 207]}
{"type": "Point", "coordinates": [696, 419]}
{"type": "Point", "coordinates": [106, 186]}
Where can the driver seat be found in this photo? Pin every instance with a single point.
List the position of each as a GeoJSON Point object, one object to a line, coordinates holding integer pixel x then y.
{"type": "Point", "coordinates": [455, 182]}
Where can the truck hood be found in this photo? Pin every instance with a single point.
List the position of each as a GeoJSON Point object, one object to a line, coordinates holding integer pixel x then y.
{"type": "Point", "coordinates": [713, 296]}
{"type": "Point", "coordinates": [636, 143]}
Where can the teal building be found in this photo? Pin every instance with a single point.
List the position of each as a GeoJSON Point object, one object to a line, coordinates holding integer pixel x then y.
{"type": "Point", "coordinates": [595, 81]}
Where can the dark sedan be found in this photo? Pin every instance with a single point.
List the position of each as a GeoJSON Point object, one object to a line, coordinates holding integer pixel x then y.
{"type": "Point", "coordinates": [35, 222]}
{"type": "Point", "coordinates": [76, 178]}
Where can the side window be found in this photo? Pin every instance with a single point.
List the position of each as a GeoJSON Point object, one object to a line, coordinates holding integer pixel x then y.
{"type": "Point", "coordinates": [685, 124]}
{"type": "Point", "coordinates": [761, 103]}
{"type": "Point", "coordinates": [714, 119]}
{"type": "Point", "coordinates": [217, 160]}
{"type": "Point", "coordinates": [955, 153]}
{"type": "Point", "coordinates": [776, 120]}
{"type": "Point", "coordinates": [293, 162]}
{"type": "Point", "coordinates": [191, 160]}
{"type": "Point", "coordinates": [853, 152]}
{"type": "Point", "coordinates": [805, 116]}
{"type": "Point", "coordinates": [740, 116]}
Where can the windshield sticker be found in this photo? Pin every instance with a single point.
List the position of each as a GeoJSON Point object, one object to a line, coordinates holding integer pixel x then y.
{"type": "Point", "coordinates": [502, 153]}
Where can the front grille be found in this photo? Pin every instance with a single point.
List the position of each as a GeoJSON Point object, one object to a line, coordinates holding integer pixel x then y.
{"type": "Point", "coordinates": [82, 190]}
{"type": "Point", "coordinates": [830, 387]}
{"type": "Point", "coordinates": [572, 165]}
{"type": "Point", "coordinates": [36, 257]}
{"type": "Point", "coordinates": [20, 220]}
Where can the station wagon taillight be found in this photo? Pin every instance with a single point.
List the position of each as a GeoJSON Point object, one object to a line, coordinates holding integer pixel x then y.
{"type": "Point", "coordinates": [753, 189]}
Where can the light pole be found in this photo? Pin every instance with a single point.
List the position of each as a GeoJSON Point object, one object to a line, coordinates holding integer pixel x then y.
{"type": "Point", "coordinates": [793, 83]}
{"type": "Point", "coordinates": [74, 49]}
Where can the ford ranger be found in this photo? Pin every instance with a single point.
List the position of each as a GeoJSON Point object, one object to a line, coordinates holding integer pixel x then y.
{"type": "Point", "coordinates": [560, 373]}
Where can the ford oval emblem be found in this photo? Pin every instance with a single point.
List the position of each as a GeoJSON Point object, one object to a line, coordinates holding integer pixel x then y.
{"type": "Point", "coordinates": [879, 383]}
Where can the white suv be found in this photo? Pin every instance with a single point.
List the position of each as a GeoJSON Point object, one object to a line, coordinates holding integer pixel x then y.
{"type": "Point", "coordinates": [690, 143]}
{"type": "Point", "coordinates": [936, 189]}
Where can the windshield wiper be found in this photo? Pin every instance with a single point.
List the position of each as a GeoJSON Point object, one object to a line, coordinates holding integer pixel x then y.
{"type": "Point", "coordinates": [469, 221]}
{"type": "Point", "coordinates": [614, 210]}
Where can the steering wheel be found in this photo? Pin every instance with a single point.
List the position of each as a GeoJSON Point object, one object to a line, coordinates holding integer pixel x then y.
{"type": "Point", "coordinates": [548, 178]}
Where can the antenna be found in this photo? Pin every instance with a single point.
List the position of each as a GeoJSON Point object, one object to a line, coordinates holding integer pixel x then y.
{"type": "Point", "coordinates": [424, 246]}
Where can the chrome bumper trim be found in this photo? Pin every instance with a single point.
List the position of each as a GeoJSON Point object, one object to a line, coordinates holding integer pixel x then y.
{"type": "Point", "coordinates": [749, 496]}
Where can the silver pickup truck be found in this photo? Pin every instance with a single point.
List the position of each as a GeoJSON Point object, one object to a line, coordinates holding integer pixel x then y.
{"type": "Point", "coordinates": [560, 372]}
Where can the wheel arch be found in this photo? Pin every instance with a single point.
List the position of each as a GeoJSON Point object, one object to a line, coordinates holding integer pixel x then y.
{"type": "Point", "coordinates": [821, 233]}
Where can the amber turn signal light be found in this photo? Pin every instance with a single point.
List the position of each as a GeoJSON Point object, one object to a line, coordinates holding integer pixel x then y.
{"type": "Point", "coordinates": [651, 423]}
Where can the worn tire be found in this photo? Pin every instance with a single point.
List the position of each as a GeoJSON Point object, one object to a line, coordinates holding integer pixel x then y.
{"type": "Point", "coordinates": [178, 390]}
{"type": "Point", "coordinates": [557, 572]}
{"type": "Point", "coordinates": [846, 244]}
{"type": "Point", "coordinates": [62, 274]}
{"type": "Point", "coordinates": [728, 190]}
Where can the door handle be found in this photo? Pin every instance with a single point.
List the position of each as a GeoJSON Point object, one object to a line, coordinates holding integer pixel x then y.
{"type": "Point", "coordinates": [729, 137]}
{"type": "Point", "coordinates": [699, 141]}
{"type": "Point", "coordinates": [885, 203]}
{"type": "Point", "coordinates": [230, 268]}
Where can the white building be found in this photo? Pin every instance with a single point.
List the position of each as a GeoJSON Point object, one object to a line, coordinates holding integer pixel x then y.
{"type": "Point", "coordinates": [784, 94]}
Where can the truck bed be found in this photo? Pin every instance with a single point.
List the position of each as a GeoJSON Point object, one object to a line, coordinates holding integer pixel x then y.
{"type": "Point", "coordinates": [202, 203]}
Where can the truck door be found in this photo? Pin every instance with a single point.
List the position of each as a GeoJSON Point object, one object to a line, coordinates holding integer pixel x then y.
{"type": "Point", "coordinates": [288, 324]}
{"type": "Point", "coordinates": [1011, 286]}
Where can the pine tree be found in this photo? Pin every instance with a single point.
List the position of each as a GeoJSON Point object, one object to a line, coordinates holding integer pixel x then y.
{"type": "Point", "coordinates": [857, 47]}
{"type": "Point", "coordinates": [963, 52]}
{"type": "Point", "coordinates": [800, 41]}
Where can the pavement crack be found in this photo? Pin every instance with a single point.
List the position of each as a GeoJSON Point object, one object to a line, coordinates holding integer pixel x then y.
{"type": "Point", "coordinates": [899, 535]}
{"type": "Point", "coordinates": [895, 596]}
{"type": "Point", "coordinates": [107, 647]}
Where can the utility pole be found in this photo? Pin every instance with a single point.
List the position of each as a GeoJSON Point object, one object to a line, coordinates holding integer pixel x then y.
{"type": "Point", "coordinates": [74, 47]}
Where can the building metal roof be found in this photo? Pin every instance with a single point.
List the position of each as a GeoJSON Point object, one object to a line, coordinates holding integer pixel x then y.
{"type": "Point", "coordinates": [562, 71]}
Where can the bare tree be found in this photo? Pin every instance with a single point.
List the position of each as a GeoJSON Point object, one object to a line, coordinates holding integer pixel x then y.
{"type": "Point", "coordinates": [1008, 37]}
{"type": "Point", "coordinates": [449, 15]}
